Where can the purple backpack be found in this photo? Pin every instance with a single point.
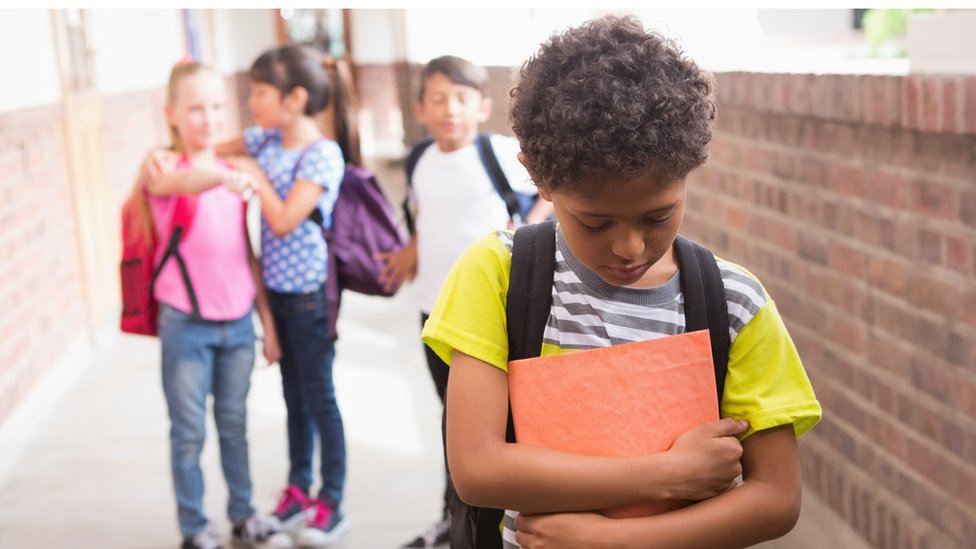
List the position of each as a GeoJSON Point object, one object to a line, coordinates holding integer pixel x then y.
{"type": "Point", "coordinates": [363, 223]}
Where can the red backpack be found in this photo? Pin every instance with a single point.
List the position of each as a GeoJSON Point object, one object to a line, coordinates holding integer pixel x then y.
{"type": "Point", "coordinates": [140, 310]}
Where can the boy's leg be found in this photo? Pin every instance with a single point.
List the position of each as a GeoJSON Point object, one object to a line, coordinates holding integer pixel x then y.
{"type": "Point", "coordinates": [232, 381]}
{"type": "Point", "coordinates": [439, 371]}
{"type": "Point", "coordinates": [187, 373]}
{"type": "Point", "coordinates": [301, 441]}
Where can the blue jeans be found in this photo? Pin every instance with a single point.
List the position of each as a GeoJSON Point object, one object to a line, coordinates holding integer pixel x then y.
{"type": "Point", "coordinates": [307, 353]}
{"type": "Point", "coordinates": [201, 357]}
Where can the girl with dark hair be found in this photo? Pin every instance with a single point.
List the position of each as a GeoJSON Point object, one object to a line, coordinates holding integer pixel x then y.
{"type": "Point", "coordinates": [291, 90]}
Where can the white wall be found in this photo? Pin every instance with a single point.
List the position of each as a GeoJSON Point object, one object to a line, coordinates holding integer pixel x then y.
{"type": "Point", "coordinates": [240, 36]}
{"type": "Point", "coordinates": [377, 36]}
{"type": "Point", "coordinates": [134, 49]}
{"type": "Point", "coordinates": [31, 77]}
{"type": "Point", "coordinates": [942, 42]}
{"type": "Point", "coordinates": [717, 39]}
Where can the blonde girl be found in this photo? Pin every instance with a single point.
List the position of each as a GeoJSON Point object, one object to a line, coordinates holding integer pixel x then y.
{"type": "Point", "coordinates": [208, 343]}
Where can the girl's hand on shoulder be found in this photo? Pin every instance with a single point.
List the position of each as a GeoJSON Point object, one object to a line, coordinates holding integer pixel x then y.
{"type": "Point", "coordinates": [562, 531]}
{"type": "Point", "coordinates": [706, 459]}
{"type": "Point", "coordinates": [157, 162]}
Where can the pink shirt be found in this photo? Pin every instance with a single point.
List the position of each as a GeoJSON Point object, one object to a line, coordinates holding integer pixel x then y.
{"type": "Point", "coordinates": [216, 255]}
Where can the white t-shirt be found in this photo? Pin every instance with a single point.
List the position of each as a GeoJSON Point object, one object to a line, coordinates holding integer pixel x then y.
{"type": "Point", "coordinates": [457, 205]}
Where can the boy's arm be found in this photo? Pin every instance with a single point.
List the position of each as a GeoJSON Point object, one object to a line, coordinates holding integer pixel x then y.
{"type": "Point", "coordinates": [489, 472]}
{"type": "Point", "coordinates": [399, 266]}
{"type": "Point", "coordinates": [765, 506]}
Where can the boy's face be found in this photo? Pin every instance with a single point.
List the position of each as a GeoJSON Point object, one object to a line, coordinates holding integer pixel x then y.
{"type": "Point", "coordinates": [451, 112]}
{"type": "Point", "coordinates": [624, 230]}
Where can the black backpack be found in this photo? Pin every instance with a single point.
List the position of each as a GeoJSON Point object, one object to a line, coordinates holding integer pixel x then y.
{"type": "Point", "coordinates": [527, 311]}
{"type": "Point", "coordinates": [518, 204]}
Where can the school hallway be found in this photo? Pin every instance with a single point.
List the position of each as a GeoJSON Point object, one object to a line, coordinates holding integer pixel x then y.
{"type": "Point", "coordinates": [85, 464]}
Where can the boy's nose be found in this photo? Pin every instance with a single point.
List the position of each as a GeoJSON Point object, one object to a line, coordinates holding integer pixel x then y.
{"type": "Point", "coordinates": [628, 245]}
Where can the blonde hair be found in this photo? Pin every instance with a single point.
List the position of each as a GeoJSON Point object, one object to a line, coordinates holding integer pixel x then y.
{"type": "Point", "coordinates": [144, 230]}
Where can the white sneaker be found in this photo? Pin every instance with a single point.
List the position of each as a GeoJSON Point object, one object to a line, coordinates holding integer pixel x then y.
{"type": "Point", "coordinates": [207, 538]}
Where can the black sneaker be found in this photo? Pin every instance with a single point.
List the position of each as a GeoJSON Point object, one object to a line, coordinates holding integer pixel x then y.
{"type": "Point", "coordinates": [208, 538]}
{"type": "Point", "coordinates": [260, 532]}
{"type": "Point", "coordinates": [437, 535]}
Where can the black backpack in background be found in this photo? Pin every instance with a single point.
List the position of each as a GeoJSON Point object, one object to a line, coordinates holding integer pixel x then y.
{"type": "Point", "coordinates": [527, 311]}
{"type": "Point", "coordinates": [517, 203]}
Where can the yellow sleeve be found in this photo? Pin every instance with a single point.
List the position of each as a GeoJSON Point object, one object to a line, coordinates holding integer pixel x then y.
{"type": "Point", "coordinates": [469, 314]}
{"type": "Point", "coordinates": [766, 382]}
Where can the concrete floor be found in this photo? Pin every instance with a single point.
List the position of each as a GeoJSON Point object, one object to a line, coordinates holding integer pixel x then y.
{"type": "Point", "coordinates": [84, 460]}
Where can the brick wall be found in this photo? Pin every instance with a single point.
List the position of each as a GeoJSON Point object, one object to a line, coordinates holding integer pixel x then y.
{"type": "Point", "coordinates": [853, 198]}
{"type": "Point", "coordinates": [41, 309]}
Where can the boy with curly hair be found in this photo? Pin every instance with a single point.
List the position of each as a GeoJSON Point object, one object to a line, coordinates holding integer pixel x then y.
{"type": "Point", "coordinates": [611, 120]}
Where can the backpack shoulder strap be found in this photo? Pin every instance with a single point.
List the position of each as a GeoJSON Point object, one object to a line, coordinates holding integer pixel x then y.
{"type": "Point", "coordinates": [409, 165]}
{"type": "Point", "coordinates": [497, 176]}
{"type": "Point", "coordinates": [529, 300]}
{"type": "Point", "coordinates": [184, 211]}
{"type": "Point", "coordinates": [529, 296]}
{"type": "Point", "coordinates": [705, 304]}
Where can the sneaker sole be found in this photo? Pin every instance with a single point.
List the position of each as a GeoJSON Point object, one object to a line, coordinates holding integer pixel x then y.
{"type": "Point", "coordinates": [318, 538]}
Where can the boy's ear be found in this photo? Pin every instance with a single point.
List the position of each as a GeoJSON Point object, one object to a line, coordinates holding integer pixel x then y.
{"type": "Point", "coordinates": [419, 113]}
{"type": "Point", "coordinates": [485, 112]}
{"type": "Point", "coordinates": [543, 193]}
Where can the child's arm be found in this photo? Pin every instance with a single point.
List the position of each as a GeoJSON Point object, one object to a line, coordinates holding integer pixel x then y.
{"type": "Point", "coordinates": [765, 506]}
{"type": "Point", "coordinates": [283, 216]}
{"type": "Point", "coordinates": [234, 147]}
{"type": "Point", "coordinates": [272, 349]}
{"type": "Point", "coordinates": [489, 472]}
{"type": "Point", "coordinates": [400, 266]}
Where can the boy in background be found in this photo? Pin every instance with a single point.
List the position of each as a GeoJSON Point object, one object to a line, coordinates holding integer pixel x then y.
{"type": "Point", "coordinates": [454, 199]}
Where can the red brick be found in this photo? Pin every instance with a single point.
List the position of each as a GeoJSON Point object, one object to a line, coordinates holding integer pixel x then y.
{"type": "Point", "coordinates": [912, 104]}
{"type": "Point", "coordinates": [935, 199]}
{"type": "Point", "coordinates": [960, 254]}
{"type": "Point", "coordinates": [932, 104]}
{"type": "Point", "coordinates": [930, 246]}
{"type": "Point", "coordinates": [951, 113]}
{"type": "Point", "coordinates": [969, 105]}
{"type": "Point", "coordinates": [847, 179]}
{"type": "Point", "coordinates": [967, 207]}
{"type": "Point", "coordinates": [890, 189]}
{"type": "Point", "coordinates": [845, 259]}
{"type": "Point", "coordinates": [888, 274]}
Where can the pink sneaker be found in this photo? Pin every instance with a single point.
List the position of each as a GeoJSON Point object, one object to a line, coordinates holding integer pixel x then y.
{"type": "Point", "coordinates": [294, 508]}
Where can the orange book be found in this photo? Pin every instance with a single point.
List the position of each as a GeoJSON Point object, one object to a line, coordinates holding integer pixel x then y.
{"type": "Point", "coordinates": [624, 400]}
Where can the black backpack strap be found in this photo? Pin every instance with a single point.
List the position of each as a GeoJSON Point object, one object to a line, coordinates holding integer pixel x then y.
{"type": "Point", "coordinates": [409, 165]}
{"type": "Point", "coordinates": [527, 310]}
{"type": "Point", "coordinates": [497, 176]}
{"type": "Point", "coordinates": [530, 288]}
{"type": "Point", "coordinates": [705, 304]}
{"type": "Point", "coordinates": [173, 250]}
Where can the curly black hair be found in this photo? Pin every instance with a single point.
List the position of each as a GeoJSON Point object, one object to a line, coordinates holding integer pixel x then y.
{"type": "Point", "coordinates": [609, 99]}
